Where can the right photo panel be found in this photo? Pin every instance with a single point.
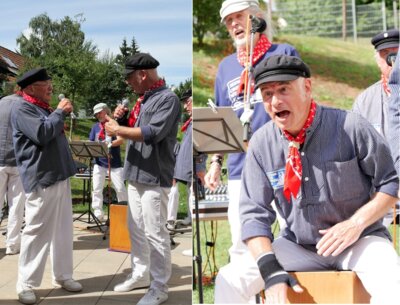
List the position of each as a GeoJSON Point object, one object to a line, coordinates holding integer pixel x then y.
{"type": "Point", "coordinates": [296, 143]}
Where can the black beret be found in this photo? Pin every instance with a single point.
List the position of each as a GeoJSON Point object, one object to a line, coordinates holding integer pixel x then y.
{"type": "Point", "coordinates": [31, 76]}
{"type": "Point", "coordinates": [186, 95]}
{"type": "Point", "coordinates": [386, 39]}
{"type": "Point", "coordinates": [280, 68]}
{"type": "Point", "coordinates": [140, 61]}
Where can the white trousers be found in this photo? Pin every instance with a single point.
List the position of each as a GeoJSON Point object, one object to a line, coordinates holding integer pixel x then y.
{"type": "Point", "coordinates": [173, 201]}
{"type": "Point", "coordinates": [150, 243]}
{"type": "Point", "coordinates": [11, 188]}
{"type": "Point", "coordinates": [48, 229]}
{"type": "Point", "coordinates": [99, 177]}
{"type": "Point", "coordinates": [372, 258]}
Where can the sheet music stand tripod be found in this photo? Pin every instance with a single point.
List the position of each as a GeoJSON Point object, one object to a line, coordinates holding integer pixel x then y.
{"type": "Point", "coordinates": [90, 149]}
{"type": "Point", "coordinates": [215, 130]}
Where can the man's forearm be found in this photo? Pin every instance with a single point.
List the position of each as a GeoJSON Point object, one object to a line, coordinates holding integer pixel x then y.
{"type": "Point", "coordinates": [259, 245]}
{"type": "Point", "coordinates": [374, 210]}
{"type": "Point", "coordinates": [132, 133]}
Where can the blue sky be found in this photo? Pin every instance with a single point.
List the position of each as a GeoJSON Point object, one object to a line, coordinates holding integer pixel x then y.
{"type": "Point", "coordinates": [161, 27]}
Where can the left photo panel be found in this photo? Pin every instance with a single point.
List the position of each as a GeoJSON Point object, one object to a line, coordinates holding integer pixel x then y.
{"type": "Point", "coordinates": [96, 153]}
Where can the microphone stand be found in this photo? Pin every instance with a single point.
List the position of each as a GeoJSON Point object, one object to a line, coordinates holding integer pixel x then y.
{"type": "Point", "coordinates": [247, 105]}
{"type": "Point", "coordinates": [70, 128]}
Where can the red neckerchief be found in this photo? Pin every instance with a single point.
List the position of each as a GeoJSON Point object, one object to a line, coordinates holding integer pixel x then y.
{"type": "Point", "coordinates": [35, 101]}
{"type": "Point", "coordinates": [102, 134]}
{"type": "Point", "coordinates": [186, 125]}
{"type": "Point", "coordinates": [136, 109]}
{"type": "Point", "coordinates": [294, 169]}
{"type": "Point", "coordinates": [261, 47]}
{"type": "Point", "coordinates": [385, 84]}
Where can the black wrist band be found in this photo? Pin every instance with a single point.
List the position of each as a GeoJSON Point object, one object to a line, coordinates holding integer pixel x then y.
{"type": "Point", "coordinates": [268, 265]}
{"type": "Point", "coordinates": [272, 272]}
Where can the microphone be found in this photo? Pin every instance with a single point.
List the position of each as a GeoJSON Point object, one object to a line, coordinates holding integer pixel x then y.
{"type": "Point", "coordinates": [60, 98]}
{"type": "Point", "coordinates": [391, 58]}
{"type": "Point", "coordinates": [257, 24]}
{"type": "Point", "coordinates": [125, 102]}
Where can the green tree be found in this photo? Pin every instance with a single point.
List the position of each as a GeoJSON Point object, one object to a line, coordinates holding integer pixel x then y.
{"type": "Point", "coordinates": [107, 84]}
{"type": "Point", "coordinates": [182, 87]}
{"type": "Point", "coordinates": [127, 51]}
{"type": "Point", "coordinates": [60, 46]}
{"type": "Point", "coordinates": [206, 18]}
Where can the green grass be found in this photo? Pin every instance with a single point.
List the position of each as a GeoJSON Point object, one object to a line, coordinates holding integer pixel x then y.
{"type": "Point", "coordinates": [340, 70]}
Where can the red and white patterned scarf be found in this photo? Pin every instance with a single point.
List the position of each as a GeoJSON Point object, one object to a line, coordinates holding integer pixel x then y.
{"type": "Point", "coordinates": [294, 169]}
{"type": "Point", "coordinates": [261, 47]}
{"type": "Point", "coordinates": [385, 84]}
{"type": "Point", "coordinates": [186, 124]}
{"type": "Point", "coordinates": [35, 101]}
{"type": "Point", "coordinates": [102, 133]}
{"type": "Point", "coordinates": [136, 109]}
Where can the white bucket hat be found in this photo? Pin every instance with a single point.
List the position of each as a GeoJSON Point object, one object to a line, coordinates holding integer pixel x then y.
{"type": "Point", "coordinates": [99, 107]}
{"type": "Point", "coordinates": [233, 6]}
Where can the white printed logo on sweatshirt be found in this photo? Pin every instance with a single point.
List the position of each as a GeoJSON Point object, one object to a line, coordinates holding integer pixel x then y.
{"type": "Point", "coordinates": [276, 178]}
{"type": "Point", "coordinates": [237, 101]}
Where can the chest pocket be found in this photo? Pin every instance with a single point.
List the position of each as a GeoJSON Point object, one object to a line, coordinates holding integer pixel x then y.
{"type": "Point", "coordinates": [344, 180]}
{"type": "Point", "coordinates": [145, 117]}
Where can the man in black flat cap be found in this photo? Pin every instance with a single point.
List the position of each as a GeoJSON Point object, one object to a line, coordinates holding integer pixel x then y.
{"type": "Point", "coordinates": [373, 102]}
{"type": "Point", "coordinates": [45, 164]}
{"type": "Point", "coordinates": [151, 131]}
{"type": "Point", "coordinates": [332, 179]}
{"type": "Point", "coordinates": [183, 166]}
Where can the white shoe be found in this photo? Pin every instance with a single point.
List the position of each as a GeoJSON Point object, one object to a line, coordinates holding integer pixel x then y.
{"type": "Point", "coordinates": [69, 285]}
{"type": "Point", "coordinates": [170, 225]}
{"type": "Point", "coordinates": [133, 282]}
{"type": "Point", "coordinates": [11, 250]}
{"type": "Point", "coordinates": [187, 252]}
{"type": "Point", "coordinates": [99, 214]}
{"type": "Point", "coordinates": [187, 221]}
{"type": "Point", "coordinates": [27, 296]}
{"type": "Point", "coordinates": [153, 297]}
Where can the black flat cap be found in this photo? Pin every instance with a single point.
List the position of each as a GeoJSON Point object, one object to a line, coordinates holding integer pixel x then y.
{"type": "Point", "coordinates": [140, 61]}
{"type": "Point", "coordinates": [186, 95]}
{"type": "Point", "coordinates": [386, 39]}
{"type": "Point", "coordinates": [31, 76]}
{"type": "Point", "coordinates": [280, 68]}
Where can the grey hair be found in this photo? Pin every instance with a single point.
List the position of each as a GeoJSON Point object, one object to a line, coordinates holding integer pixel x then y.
{"type": "Point", "coordinates": [258, 12]}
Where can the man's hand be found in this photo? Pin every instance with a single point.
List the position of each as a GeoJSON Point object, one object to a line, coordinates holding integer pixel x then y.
{"type": "Point", "coordinates": [120, 111]}
{"type": "Point", "coordinates": [66, 106]}
{"type": "Point", "coordinates": [111, 126]}
{"type": "Point", "coordinates": [337, 238]}
{"type": "Point", "coordinates": [277, 294]}
{"type": "Point", "coordinates": [212, 178]}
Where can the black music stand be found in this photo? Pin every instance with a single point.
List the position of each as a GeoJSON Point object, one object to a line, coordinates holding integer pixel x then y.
{"type": "Point", "coordinates": [89, 149]}
{"type": "Point", "coordinates": [215, 130]}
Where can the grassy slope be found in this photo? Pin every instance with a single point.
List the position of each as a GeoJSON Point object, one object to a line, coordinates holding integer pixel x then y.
{"type": "Point", "coordinates": [340, 71]}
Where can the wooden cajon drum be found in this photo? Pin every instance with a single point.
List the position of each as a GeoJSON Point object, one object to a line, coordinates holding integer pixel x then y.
{"type": "Point", "coordinates": [119, 234]}
{"type": "Point", "coordinates": [329, 287]}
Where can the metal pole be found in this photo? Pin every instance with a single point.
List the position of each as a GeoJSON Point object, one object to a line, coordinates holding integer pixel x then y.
{"type": "Point", "coordinates": [344, 21]}
{"type": "Point", "coordinates": [353, 11]}
{"type": "Point", "coordinates": [269, 19]}
{"type": "Point", "coordinates": [384, 23]}
{"type": "Point", "coordinates": [197, 258]}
